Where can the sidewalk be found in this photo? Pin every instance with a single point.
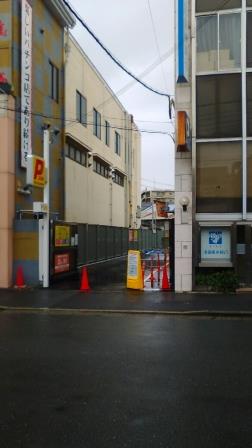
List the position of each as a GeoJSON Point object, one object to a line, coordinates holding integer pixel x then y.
{"type": "Point", "coordinates": [128, 301]}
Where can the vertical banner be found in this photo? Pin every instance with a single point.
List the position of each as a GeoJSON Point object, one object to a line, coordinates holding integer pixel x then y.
{"type": "Point", "coordinates": [182, 41]}
{"type": "Point", "coordinates": [26, 83]}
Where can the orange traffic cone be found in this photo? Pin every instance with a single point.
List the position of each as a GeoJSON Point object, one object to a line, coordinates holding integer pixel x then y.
{"type": "Point", "coordinates": [84, 280]}
{"type": "Point", "coordinates": [20, 278]}
{"type": "Point", "coordinates": [165, 280]}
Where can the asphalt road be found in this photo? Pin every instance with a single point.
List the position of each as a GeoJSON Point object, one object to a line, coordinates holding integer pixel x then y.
{"type": "Point", "coordinates": [114, 381]}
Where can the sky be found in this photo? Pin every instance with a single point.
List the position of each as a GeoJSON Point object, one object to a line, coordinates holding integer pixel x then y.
{"type": "Point", "coordinates": [140, 34]}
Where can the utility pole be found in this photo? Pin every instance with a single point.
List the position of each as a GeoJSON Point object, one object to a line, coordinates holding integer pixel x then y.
{"type": "Point", "coordinates": [46, 218]}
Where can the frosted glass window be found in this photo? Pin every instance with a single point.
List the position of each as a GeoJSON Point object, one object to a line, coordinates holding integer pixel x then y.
{"type": "Point", "coordinates": [230, 41]}
{"type": "Point", "coordinates": [219, 177]}
{"type": "Point", "coordinates": [219, 111]}
{"type": "Point", "coordinates": [207, 45]}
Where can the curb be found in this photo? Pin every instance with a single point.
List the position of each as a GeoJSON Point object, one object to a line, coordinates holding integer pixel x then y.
{"type": "Point", "coordinates": [185, 313]}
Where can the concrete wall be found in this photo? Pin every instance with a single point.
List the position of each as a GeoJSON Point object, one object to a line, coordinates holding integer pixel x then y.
{"type": "Point", "coordinates": [7, 182]}
{"type": "Point", "coordinates": [26, 250]}
{"type": "Point", "coordinates": [183, 180]}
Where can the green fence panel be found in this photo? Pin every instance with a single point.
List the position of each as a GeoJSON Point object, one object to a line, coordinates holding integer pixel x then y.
{"type": "Point", "coordinates": [92, 243]}
{"type": "Point", "coordinates": [110, 242]}
{"type": "Point", "coordinates": [101, 243]}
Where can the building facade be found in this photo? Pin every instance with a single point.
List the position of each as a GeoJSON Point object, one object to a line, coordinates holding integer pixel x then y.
{"type": "Point", "coordinates": [102, 148]}
{"type": "Point", "coordinates": [214, 139]}
{"type": "Point", "coordinates": [31, 97]}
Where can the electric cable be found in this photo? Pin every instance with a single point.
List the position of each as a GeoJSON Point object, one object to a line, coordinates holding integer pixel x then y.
{"type": "Point", "coordinates": [74, 121]}
{"type": "Point", "coordinates": [108, 52]}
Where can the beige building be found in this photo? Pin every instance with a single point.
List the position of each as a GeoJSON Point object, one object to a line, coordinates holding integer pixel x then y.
{"type": "Point", "coordinates": [102, 163]}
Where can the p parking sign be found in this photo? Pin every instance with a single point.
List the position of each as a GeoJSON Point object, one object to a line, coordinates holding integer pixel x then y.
{"type": "Point", "coordinates": [36, 171]}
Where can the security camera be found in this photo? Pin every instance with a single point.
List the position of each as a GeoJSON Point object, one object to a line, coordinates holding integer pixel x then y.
{"type": "Point", "coordinates": [46, 126]}
{"type": "Point", "coordinates": [56, 131]}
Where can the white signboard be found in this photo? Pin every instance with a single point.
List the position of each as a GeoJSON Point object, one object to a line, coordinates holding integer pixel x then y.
{"type": "Point", "coordinates": [26, 83]}
{"type": "Point", "coordinates": [215, 244]}
{"type": "Point", "coordinates": [132, 265]}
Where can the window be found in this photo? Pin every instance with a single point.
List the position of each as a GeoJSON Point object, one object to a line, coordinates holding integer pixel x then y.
{"type": "Point", "coordinates": [219, 111]}
{"type": "Point", "coordinates": [101, 168]}
{"type": "Point", "coordinates": [118, 178]}
{"type": "Point", "coordinates": [81, 108]}
{"type": "Point", "coordinates": [207, 51]}
{"type": "Point", "coordinates": [76, 154]}
{"type": "Point", "coordinates": [215, 5]}
{"type": "Point", "coordinates": [249, 177]}
{"type": "Point", "coordinates": [54, 82]}
{"type": "Point", "coordinates": [97, 123]}
{"type": "Point", "coordinates": [219, 177]}
{"type": "Point", "coordinates": [117, 143]}
{"type": "Point", "coordinates": [107, 133]}
{"type": "Point", "coordinates": [249, 104]}
{"type": "Point", "coordinates": [249, 39]}
{"type": "Point", "coordinates": [226, 55]}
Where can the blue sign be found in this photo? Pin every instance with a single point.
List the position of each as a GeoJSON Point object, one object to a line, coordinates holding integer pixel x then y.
{"type": "Point", "coordinates": [215, 238]}
{"type": "Point", "coordinates": [215, 244]}
{"type": "Point", "coordinates": [182, 39]}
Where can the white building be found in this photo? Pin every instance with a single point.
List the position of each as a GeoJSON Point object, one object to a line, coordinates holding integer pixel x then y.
{"type": "Point", "coordinates": [103, 148]}
{"type": "Point", "coordinates": [213, 168]}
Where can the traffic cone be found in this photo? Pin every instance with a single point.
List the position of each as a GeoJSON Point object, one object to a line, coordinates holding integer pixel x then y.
{"type": "Point", "coordinates": [20, 278]}
{"type": "Point", "coordinates": [84, 280]}
{"type": "Point", "coordinates": [165, 280]}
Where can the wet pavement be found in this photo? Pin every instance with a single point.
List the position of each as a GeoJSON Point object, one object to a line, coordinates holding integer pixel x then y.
{"type": "Point", "coordinates": [124, 381]}
{"type": "Point", "coordinates": [118, 298]}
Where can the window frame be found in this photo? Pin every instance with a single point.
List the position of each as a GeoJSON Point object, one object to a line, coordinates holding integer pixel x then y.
{"type": "Point", "coordinates": [71, 152]}
{"type": "Point", "coordinates": [117, 143]}
{"type": "Point", "coordinates": [54, 81]}
{"type": "Point", "coordinates": [96, 123]}
{"type": "Point", "coordinates": [218, 14]}
{"type": "Point", "coordinates": [107, 133]}
{"type": "Point", "coordinates": [80, 102]}
{"type": "Point", "coordinates": [101, 168]}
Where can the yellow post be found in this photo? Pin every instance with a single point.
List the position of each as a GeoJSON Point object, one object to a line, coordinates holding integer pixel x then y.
{"type": "Point", "coordinates": [134, 270]}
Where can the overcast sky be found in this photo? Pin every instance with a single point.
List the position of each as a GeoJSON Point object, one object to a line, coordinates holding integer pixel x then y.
{"type": "Point", "coordinates": [138, 33]}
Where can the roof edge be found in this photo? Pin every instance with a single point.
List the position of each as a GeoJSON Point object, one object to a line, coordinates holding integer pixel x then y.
{"type": "Point", "coordinates": [62, 12]}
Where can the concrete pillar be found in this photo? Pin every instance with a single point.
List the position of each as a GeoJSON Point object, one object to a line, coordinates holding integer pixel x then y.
{"type": "Point", "coordinates": [7, 187]}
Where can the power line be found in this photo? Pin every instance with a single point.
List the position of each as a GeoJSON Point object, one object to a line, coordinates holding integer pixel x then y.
{"type": "Point", "coordinates": [156, 40]}
{"type": "Point", "coordinates": [74, 121]}
{"type": "Point", "coordinates": [108, 52]}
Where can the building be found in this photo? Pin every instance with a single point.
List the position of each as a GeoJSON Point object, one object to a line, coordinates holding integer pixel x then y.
{"type": "Point", "coordinates": [157, 208]}
{"type": "Point", "coordinates": [31, 97]}
{"type": "Point", "coordinates": [214, 139]}
{"type": "Point", "coordinates": [102, 163]}
{"type": "Point", "coordinates": [148, 196]}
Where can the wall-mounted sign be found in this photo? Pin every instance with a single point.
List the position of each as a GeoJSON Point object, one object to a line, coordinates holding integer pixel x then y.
{"type": "Point", "coordinates": [215, 244]}
{"type": "Point", "coordinates": [184, 133]}
{"type": "Point", "coordinates": [62, 236]}
{"type": "Point", "coordinates": [61, 263]}
{"type": "Point", "coordinates": [26, 83]}
{"type": "Point", "coordinates": [182, 41]}
{"type": "Point", "coordinates": [36, 171]}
